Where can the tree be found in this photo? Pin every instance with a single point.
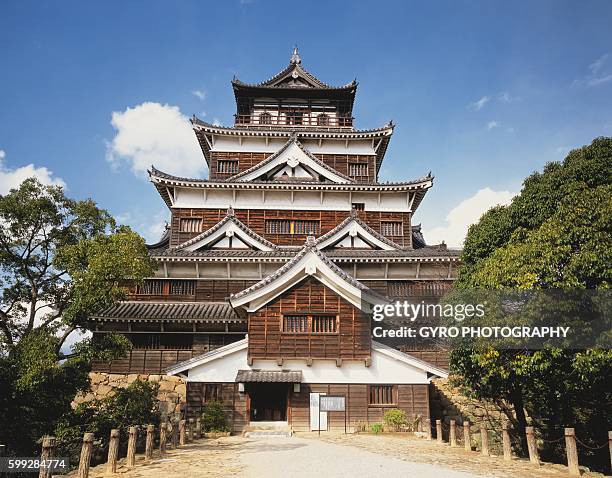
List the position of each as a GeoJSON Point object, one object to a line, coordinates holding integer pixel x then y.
{"type": "Point", "coordinates": [556, 234]}
{"type": "Point", "coordinates": [60, 261]}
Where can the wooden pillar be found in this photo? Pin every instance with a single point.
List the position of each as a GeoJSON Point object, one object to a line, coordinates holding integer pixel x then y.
{"type": "Point", "coordinates": [163, 428]}
{"type": "Point", "coordinates": [48, 446]}
{"type": "Point", "coordinates": [191, 429]}
{"type": "Point", "coordinates": [198, 428]}
{"type": "Point", "coordinates": [175, 434]}
{"type": "Point", "coordinates": [484, 439]}
{"type": "Point", "coordinates": [428, 428]}
{"type": "Point", "coordinates": [467, 438]}
{"type": "Point", "coordinates": [85, 458]}
{"type": "Point", "coordinates": [571, 451]}
{"type": "Point", "coordinates": [610, 446]}
{"type": "Point", "coordinates": [182, 438]}
{"type": "Point", "coordinates": [453, 433]}
{"type": "Point", "coordinates": [149, 442]}
{"type": "Point", "coordinates": [439, 431]}
{"type": "Point", "coordinates": [531, 446]}
{"type": "Point", "coordinates": [131, 450]}
{"type": "Point", "coordinates": [506, 441]}
{"type": "Point", "coordinates": [113, 451]}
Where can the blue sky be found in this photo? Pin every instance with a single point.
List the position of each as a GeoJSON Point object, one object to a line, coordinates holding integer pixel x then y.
{"type": "Point", "coordinates": [482, 92]}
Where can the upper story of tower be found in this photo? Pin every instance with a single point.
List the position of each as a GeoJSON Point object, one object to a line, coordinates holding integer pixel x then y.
{"type": "Point", "coordinates": [294, 99]}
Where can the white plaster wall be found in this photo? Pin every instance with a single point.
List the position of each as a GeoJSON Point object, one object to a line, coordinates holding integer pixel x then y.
{"type": "Point", "coordinates": [258, 145]}
{"type": "Point", "coordinates": [384, 370]}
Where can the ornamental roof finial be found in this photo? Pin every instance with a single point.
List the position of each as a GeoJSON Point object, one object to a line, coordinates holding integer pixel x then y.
{"type": "Point", "coordinates": [295, 58]}
{"type": "Point", "coordinates": [230, 211]}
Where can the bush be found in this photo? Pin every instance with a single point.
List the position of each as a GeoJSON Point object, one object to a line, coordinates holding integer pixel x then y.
{"type": "Point", "coordinates": [213, 417]}
{"type": "Point", "coordinates": [395, 419]}
{"type": "Point", "coordinates": [376, 428]}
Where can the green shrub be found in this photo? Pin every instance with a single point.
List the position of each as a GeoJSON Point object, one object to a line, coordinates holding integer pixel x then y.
{"type": "Point", "coordinates": [395, 419]}
{"type": "Point", "coordinates": [376, 428]}
{"type": "Point", "coordinates": [213, 417]}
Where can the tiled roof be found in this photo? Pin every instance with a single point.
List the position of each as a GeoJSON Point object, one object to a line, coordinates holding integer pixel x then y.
{"type": "Point", "coordinates": [269, 376]}
{"type": "Point", "coordinates": [355, 217]}
{"type": "Point", "coordinates": [418, 240]}
{"type": "Point", "coordinates": [292, 140]}
{"type": "Point", "coordinates": [230, 217]}
{"type": "Point", "coordinates": [192, 311]}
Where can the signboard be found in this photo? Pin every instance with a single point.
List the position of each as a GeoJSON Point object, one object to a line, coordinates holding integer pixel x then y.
{"type": "Point", "coordinates": [331, 403]}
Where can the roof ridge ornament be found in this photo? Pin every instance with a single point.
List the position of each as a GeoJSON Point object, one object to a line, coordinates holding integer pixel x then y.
{"type": "Point", "coordinates": [310, 241]}
{"type": "Point", "coordinates": [230, 212]}
{"type": "Point", "coordinates": [295, 57]}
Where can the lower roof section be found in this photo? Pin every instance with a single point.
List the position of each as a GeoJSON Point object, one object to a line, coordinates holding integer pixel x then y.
{"type": "Point", "coordinates": [220, 312]}
{"type": "Point", "coordinates": [269, 376]}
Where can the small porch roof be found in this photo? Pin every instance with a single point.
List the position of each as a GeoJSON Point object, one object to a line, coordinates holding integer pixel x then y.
{"type": "Point", "coordinates": [269, 376]}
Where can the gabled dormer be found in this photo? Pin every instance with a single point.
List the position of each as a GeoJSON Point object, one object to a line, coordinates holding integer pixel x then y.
{"type": "Point", "coordinates": [294, 98]}
{"type": "Point", "coordinates": [353, 233]}
{"type": "Point", "coordinates": [229, 233]}
{"type": "Point", "coordinates": [293, 162]}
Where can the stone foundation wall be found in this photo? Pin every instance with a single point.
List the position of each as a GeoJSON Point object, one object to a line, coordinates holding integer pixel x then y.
{"type": "Point", "coordinates": [172, 393]}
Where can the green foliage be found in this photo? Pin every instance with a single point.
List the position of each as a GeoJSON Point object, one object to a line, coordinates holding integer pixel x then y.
{"type": "Point", "coordinates": [395, 419]}
{"type": "Point", "coordinates": [376, 428]}
{"type": "Point", "coordinates": [213, 417]}
{"type": "Point", "coordinates": [60, 261]}
{"type": "Point", "coordinates": [135, 405]}
{"type": "Point", "coordinates": [557, 234]}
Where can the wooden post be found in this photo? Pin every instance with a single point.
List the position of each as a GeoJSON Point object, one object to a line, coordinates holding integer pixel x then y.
{"type": "Point", "coordinates": [48, 446]}
{"type": "Point", "coordinates": [610, 446]}
{"type": "Point", "coordinates": [85, 458]}
{"type": "Point", "coordinates": [453, 433]}
{"type": "Point", "coordinates": [149, 442]}
{"type": "Point", "coordinates": [198, 428]}
{"type": "Point", "coordinates": [571, 451]}
{"type": "Point", "coordinates": [163, 427]}
{"type": "Point", "coordinates": [175, 434]}
{"type": "Point", "coordinates": [439, 431]}
{"type": "Point", "coordinates": [484, 439]}
{"type": "Point", "coordinates": [191, 429]}
{"type": "Point", "coordinates": [506, 441]}
{"type": "Point", "coordinates": [182, 439]}
{"type": "Point", "coordinates": [113, 451]}
{"type": "Point", "coordinates": [467, 438]}
{"type": "Point", "coordinates": [531, 446]}
{"type": "Point", "coordinates": [131, 451]}
{"type": "Point", "coordinates": [428, 428]}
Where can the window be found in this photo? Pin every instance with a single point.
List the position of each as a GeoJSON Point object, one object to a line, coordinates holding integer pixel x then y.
{"type": "Point", "coordinates": [177, 341]}
{"type": "Point", "coordinates": [391, 228]}
{"type": "Point", "coordinates": [323, 120]}
{"type": "Point", "coordinates": [314, 324]}
{"type": "Point", "coordinates": [358, 206]}
{"type": "Point", "coordinates": [211, 392]}
{"type": "Point", "coordinates": [294, 117]}
{"type": "Point", "coordinates": [358, 169]}
{"type": "Point", "coordinates": [145, 341]}
{"type": "Point", "coordinates": [166, 287]}
{"type": "Point", "coordinates": [190, 225]}
{"type": "Point", "coordinates": [265, 118]}
{"type": "Point", "coordinates": [290, 226]}
{"type": "Point", "coordinates": [382, 395]}
{"type": "Point", "coordinates": [227, 166]}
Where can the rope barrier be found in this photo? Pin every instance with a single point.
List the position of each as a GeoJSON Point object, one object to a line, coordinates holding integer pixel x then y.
{"type": "Point", "coordinates": [591, 447]}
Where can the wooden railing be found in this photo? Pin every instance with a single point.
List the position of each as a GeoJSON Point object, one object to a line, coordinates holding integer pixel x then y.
{"type": "Point", "coordinates": [293, 121]}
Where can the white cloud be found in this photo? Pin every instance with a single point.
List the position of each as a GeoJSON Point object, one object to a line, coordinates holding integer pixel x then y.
{"type": "Point", "coordinates": [492, 124]}
{"type": "Point", "coordinates": [154, 134]}
{"type": "Point", "coordinates": [149, 227]}
{"type": "Point", "coordinates": [12, 178]}
{"type": "Point", "coordinates": [466, 213]}
{"type": "Point", "coordinates": [216, 122]}
{"type": "Point", "coordinates": [504, 97]}
{"type": "Point", "coordinates": [478, 105]}
{"type": "Point", "coordinates": [600, 72]}
{"type": "Point", "coordinates": [200, 94]}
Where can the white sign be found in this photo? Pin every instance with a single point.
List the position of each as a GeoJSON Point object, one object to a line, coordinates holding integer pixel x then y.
{"type": "Point", "coordinates": [331, 403]}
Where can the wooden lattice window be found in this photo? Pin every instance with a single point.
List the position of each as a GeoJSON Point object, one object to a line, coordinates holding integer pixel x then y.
{"type": "Point", "coordinates": [322, 120]}
{"type": "Point", "coordinates": [382, 395]}
{"type": "Point", "coordinates": [398, 289]}
{"type": "Point", "coordinates": [190, 224]}
{"type": "Point", "coordinates": [391, 228]}
{"type": "Point", "coordinates": [295, 323]}
{"type": "Point", "coordinates": [265, 118]}
{"type": "Point", "coordinates": [290, 226]}
{"type": "Point", "coordinates": [227, 166]}
{"type": "Point", "coordinates": [182, 287]}
{"type": "Point", "coordinates": [177, 341]}
{"type": "Point", "coordinates": [314, 324]}
{"type": "Point", "coordinates": [211, 392]}
{"type": "Point", "coordinates": [324, 324]}
{"type": "Point", "coordinates": [358, 169]}
{"type": "Point", "coordinates": [166, 287]}
{"type": "Point", "coordinates": [145, 341]}
{"type": "Point", "coordinates": [358, 206]}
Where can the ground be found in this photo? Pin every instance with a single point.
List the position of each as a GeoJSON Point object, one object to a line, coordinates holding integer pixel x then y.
{"type": "Point", "coordinates": [332, 455]}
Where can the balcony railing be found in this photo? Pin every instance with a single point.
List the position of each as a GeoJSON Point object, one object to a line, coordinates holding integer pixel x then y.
{"type": "Point", "coordinates": [293, 121]}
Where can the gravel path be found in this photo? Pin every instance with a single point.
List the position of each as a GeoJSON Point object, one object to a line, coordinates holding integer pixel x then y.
{"type": "Point", "coordinates": [305, 458]}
